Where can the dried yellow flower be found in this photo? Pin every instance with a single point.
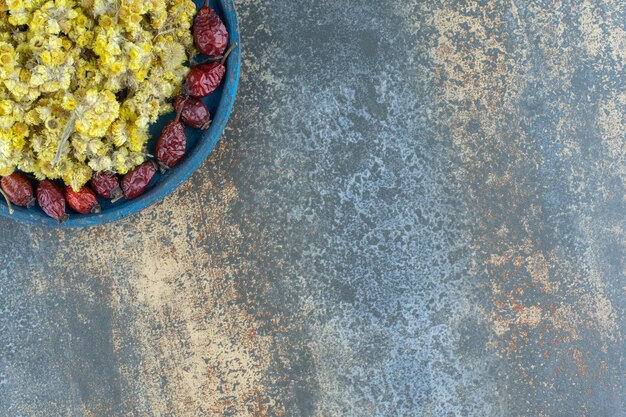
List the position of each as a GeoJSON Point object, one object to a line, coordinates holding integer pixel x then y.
{"type": "Point", "coordinates": [81, 85]}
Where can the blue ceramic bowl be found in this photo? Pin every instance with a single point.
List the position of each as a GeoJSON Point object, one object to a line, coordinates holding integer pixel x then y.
{"type": "Point", "coordinates": [199, 145]}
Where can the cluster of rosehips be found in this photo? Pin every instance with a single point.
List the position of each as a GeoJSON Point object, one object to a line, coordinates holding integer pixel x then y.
{"type": "Point", "coordinates": [211, 39]}
{"type": "Point", "coordinates": [17, 189]}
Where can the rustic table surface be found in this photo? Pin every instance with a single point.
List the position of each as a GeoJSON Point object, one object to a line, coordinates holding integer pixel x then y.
{"type": "Point", "coordinates": [417, 210]}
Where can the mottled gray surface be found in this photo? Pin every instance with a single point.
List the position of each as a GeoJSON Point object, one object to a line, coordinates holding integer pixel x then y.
{"type": "Point", "coordinates": [417, 210]}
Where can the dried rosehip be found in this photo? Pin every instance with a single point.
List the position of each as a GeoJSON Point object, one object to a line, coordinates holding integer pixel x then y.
{"type": "Point", "coordinates": [170, 148]}
{"type": "Point", "coordinates": [19, 190]}
{"type": "Point", "coordinates": [51, 200]}
{"type": "Point", "coordinates": [83, 201]}
{"type": "Point", "coordinates": [136, 182]}
{"type": "Point", "coordinates": [203, 79]}
{"type": "Point", "coordinates": [106, 185]}
{"type": "Point", "coordinates": [209, 32]}
{"type": "Point", "coordinates": [195, 113]}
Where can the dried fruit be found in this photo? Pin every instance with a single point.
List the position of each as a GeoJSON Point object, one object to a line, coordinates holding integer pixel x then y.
{"type": "Point", "coordinates": [18, 190]}
{"type": "Point", "coordinates": [83, 201]}
{"type": "Point", "coordinates": [51, 200]}
{"type": "Point", "coordinates": [107, 185]}
{"type": "Point", "coordinates": [195, 113]}
{"type": "Point", "coordinates": [170, 148]}
{"type": "Point", "coordinates": [136, 182]}
{"type": "Point", "coordinates": [203, 79]}
{"type": "Point", "coordinates": [209, 32]}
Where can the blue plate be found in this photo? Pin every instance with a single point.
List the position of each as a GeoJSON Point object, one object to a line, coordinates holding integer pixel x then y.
{"type": "Point", "coordinates": [199, 145]}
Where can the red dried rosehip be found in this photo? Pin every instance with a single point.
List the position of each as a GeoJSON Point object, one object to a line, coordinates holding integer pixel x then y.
{"type": "Point", "coordinates": [209, 32]}
{"type": "Point", "coordinates": [171, 145]}
{"type": "Point", "coordinates": [51, 200]}
{"type": "Point", "coordinates": [136, 182]}
{"type": "Point", "coordinates": [106, 185]}
{"type": "Point", "coordinates": [195, 113]}
{"type": "Point", "coordinates": [203, 79]}
{"type": "Point", "coordinates": [83, 201]}
{"type": "Point", "coordinates": [19, 190]}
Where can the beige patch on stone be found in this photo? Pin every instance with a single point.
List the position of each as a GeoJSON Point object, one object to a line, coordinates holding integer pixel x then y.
{"type": "Point", "coordinates": [539, 270]}
{"type": "Point", "coordinates": [530, 317]}
{"type": "Point", "coordinates": [598, 40]}
{"type": "Point", "coordinates": [173, 272]}
{"type": "Point", "coordinates": [566, 319]}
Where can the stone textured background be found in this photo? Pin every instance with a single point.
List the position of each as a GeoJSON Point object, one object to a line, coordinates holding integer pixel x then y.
{"type": "Point", "coordinates": [417, 210]}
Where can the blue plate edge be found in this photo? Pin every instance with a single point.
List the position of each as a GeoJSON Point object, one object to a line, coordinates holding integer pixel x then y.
{"type": "Point", "coordinates": [180, 174]}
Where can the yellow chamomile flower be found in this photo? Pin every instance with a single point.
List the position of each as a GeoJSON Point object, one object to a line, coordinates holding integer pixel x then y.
{"type": "Point", "coordinates": [82, 84]}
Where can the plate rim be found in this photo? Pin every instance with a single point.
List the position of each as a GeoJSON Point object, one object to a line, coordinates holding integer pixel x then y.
{"type": "Point", "coordinates": [208, 140]}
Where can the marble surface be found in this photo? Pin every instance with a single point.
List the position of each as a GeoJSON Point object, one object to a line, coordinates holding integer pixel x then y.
{"type": "Point", "coordinates": [417, 210]}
